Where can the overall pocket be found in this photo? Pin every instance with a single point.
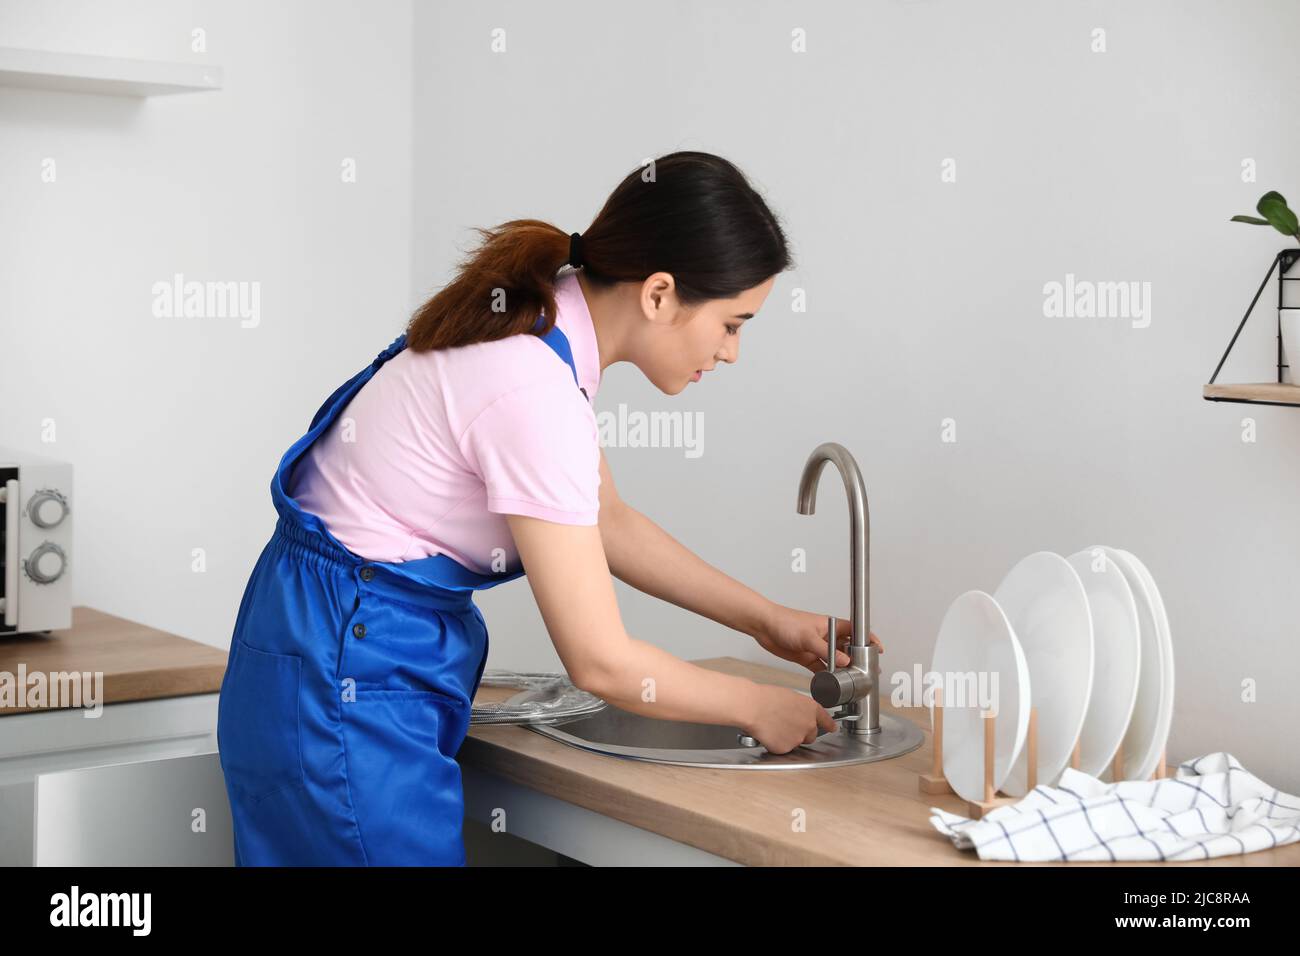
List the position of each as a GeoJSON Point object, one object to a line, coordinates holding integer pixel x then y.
{"type": "Point", "coordinates": [258, 732]}
{"type": "Point", "coordinates": [403, 778]}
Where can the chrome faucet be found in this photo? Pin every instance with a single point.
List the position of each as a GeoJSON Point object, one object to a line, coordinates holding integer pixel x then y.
{"type": "Point", "coordinates": [855, 687]}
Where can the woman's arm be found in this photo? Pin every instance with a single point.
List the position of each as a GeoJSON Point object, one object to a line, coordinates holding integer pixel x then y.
{"type": "Point", "coordinates": [567, 570]}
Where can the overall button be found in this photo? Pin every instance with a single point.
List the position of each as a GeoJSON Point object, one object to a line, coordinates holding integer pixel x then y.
{"type": "Point", "coordinates": [359, 630]}
{"type": "Point", "coordinates": [367, 574]}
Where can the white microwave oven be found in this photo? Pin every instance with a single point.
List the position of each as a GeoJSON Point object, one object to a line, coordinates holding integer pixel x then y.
{"type": "Point", "coordinates": [35, 543]}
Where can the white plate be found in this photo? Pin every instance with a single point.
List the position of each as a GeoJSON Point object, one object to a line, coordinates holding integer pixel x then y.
{"type": "Point", "coordinates": [1048, 609]}
{"type": "Point", "coordinates": [1166, 715]}
{"type": "Point", "coordinates": [1141, 744]}
{"type": "Point", "coordinates": [976, 639]}
{"type": "Point", "coordinates": [1117, 658]}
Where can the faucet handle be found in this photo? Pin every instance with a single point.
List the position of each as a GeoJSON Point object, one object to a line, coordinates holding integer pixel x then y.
{"type": "Point", "coordinates": [833, 687]}
{"type": "Point", "coordinates": [830, 643]}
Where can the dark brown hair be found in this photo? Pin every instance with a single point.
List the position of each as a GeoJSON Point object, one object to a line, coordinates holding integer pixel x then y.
{"type": "Point", "coordinates": [691, 214]}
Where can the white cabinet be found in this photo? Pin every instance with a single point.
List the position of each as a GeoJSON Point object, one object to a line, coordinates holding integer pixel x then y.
{"type": "Point", "coordinates": [75, 806]}
{"type": "Point", "coordinates": [568, 829]}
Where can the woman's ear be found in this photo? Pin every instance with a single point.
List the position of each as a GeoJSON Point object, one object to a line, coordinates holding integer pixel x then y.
{"type": "Point", "coordinates": [659, 299]}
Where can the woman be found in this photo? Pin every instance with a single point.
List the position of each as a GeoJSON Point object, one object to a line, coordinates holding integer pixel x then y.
{"type": "Point", "coordinates": [464, 453]}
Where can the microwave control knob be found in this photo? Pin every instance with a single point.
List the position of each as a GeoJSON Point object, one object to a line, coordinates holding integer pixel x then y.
{"type": "Point", "coordinates": [45, 565]}
{"type": "Point", "coordinates": [47, 508]}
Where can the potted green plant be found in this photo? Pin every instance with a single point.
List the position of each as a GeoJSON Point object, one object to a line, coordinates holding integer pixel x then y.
{"type": "Point", "coordinates": [1276, 213]}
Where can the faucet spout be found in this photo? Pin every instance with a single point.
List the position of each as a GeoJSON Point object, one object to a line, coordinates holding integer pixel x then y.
{"type": "Point", "coordinates": [859, 526]}
{"type": "Point", "coordinates": [857, 686]}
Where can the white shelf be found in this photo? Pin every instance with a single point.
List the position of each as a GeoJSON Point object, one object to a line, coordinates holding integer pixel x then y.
{"type": "Point", "coordinates": [112, 75]}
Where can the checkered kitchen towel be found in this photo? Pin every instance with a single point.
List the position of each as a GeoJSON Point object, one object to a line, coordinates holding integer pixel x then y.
{"type": "Point", "coordinates": [1210, 807]}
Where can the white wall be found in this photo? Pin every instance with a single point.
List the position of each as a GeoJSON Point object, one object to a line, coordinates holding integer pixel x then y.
{"type": "Point", "coordinates": [925, 300]}
{"type": "Point", "coordinates": [175, 425]}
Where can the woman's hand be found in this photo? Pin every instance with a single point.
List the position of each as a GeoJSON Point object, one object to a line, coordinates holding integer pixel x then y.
{"type": "Point", "coordinates": [800, 636]}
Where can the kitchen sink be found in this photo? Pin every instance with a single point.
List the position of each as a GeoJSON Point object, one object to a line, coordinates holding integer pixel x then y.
{"type": "Point", "coordinates": [621, 733]}
{"type": "Point", "coordinates": [863, 734]}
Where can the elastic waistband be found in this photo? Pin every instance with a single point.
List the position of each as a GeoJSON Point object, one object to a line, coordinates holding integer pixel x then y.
{"type": "Point", "coordinates": [387, 579]}
{"type": "Point", "coordinates": [305, 542]}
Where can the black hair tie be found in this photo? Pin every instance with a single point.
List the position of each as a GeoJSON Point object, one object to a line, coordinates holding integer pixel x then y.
{"type": "Point", "coordinates": [575, 250]}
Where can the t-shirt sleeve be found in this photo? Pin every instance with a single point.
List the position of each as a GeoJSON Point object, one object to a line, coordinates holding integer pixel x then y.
{"type": "Point", "coordinates": [537, 450]}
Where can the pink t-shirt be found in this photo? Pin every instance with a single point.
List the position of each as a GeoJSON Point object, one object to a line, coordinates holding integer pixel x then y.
{"type": "Point", "coordinates": [434, 450]}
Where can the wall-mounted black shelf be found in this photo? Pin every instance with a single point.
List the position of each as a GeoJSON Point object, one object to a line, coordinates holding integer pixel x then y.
{"type": "Point", "coordinates": [1261, 393]}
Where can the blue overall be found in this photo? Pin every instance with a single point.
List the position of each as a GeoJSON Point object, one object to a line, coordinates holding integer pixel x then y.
{"type": "Point", "coordinates": [348, 687]}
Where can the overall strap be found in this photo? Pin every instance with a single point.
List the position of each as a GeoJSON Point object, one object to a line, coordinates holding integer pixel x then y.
{"type": "Point", "coordinates": [559, 343]}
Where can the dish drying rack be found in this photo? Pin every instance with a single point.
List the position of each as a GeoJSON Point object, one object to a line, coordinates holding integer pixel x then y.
{"type": "Point", "coordinates": [935, 782]}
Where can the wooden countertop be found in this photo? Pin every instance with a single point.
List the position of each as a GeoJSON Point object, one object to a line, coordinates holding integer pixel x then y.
{"type": "Point", "coordinates": [865, 815]}
{"type": "Point", "coordinates": [138, 662]}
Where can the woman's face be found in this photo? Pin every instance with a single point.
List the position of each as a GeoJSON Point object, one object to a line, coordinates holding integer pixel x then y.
{"type": "Point", "coordinates": [682, 342]}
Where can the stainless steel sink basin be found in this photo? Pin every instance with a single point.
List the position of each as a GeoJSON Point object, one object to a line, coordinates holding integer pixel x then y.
{"type": "Point", "coordinates": [621, 733]}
